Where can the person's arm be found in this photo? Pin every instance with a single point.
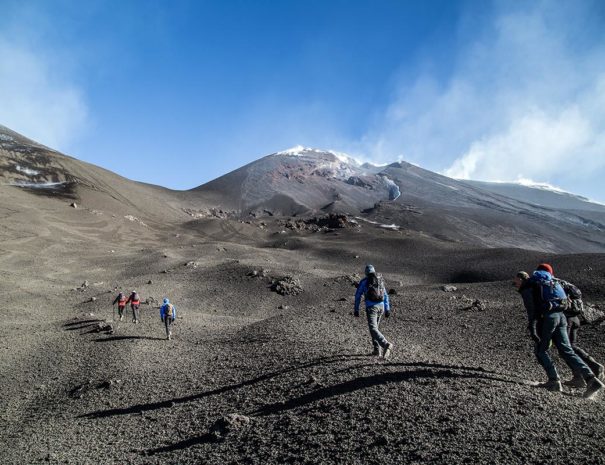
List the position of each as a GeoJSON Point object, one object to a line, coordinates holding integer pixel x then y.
{"type": "Point", "coordinates": [532, 315]}
{"type": "Point", "coordinates": [162, 310]}
{"type": "Point", "coordinates": [115, 300]}
{"type": "Point", "coordinates": [360, 291]}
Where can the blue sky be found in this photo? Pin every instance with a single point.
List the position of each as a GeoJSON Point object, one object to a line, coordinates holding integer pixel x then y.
{"type": "Point", "coordinates": [177, 93]}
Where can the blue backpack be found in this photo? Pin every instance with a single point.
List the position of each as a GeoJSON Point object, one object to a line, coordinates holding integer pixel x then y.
{"type": "Point", "coordinates": [552, 295]}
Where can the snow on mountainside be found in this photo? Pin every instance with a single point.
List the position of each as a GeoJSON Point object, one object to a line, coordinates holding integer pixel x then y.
{"type": "Point", "coordinates": [541, 194]}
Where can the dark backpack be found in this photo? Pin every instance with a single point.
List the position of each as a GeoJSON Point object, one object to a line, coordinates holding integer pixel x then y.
{"type": "Point", "coordinates": [375, 292]}
{"type": "Point", "coordinates": [168, 311]}
{"type": "Point", "coordinates": [551, 293]}
{"type": "Point", "coordinates": [574, 295]}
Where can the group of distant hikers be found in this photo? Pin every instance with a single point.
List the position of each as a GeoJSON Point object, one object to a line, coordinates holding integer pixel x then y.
{"type": "Point", "coordinates": [553, 309]}
{"type": "Point", "coordinates": [167, 310]}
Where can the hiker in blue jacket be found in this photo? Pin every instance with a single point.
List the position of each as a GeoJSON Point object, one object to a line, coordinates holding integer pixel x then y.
{"type": "Point", "coordinates": [377, 303]}
{"type": "Point", "coordinates": [545, 302]}
{"type": "Point", "coordinates": [168, 315]}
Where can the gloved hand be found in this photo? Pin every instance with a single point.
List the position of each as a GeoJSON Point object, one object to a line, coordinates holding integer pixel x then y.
{"type": "Point", "coordinates": [356, 314]}
{"type": "Point", "coordinates": [387, 314]}
{"type": "Point", "coordinates": [536, 338]}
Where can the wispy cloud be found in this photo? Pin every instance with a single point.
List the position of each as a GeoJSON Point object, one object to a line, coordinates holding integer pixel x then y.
{"type": "Point", "coordinates": [526, 99]}
{"type": "Point", "coordinates": [37, 98]}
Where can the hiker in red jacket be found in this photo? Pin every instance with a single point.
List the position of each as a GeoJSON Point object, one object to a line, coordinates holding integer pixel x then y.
{"type": "Point", "coordinates": [121, 301]}
{"type": "Point", "coordinates": [135, 303]}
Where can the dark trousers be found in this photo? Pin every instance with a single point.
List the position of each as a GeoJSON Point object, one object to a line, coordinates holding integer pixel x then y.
{"type": "Point", "coordinates": [573, 329]}
{"type": "Point", "coordinates": [121, 310]}
{"type": "Point", "coordinates": [554, 328]}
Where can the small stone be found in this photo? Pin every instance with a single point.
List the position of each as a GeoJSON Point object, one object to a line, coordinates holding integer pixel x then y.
{"type": "Point", "coordinates": [229, 424]}
{"type": "Point", "coordinates": [150, 282]}
{"type": "Point", "coordinates": [73, 205]}
{"type": "Point", "coordinates": [392, 291]}
{"type": "Point", "coordinates": [92, 299]}
{"type": "Point", "coordinates": [449, 288]}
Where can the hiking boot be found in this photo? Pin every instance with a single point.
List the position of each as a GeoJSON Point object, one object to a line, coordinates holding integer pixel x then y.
{"type": "Point", "coordinates": [169, 336]}
{"type": "Point", "coordinates": [576, 382]}
{"type": "Point", "coordinates": [593, 387]}
{"type": "Point", "coordinates": [552, 385]}
{"type": "Point", "coordinates": [387, 350]}
{"type": "Point", "coordinates": [121, 317]}
{"type": "Point", "coordinates": [377, 352]}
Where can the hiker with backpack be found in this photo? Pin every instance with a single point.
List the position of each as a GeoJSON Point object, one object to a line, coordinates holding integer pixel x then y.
{"type": "Point", "coordinates": [168, 315]}
{"type": "Point", "coordinates": [545, 302]}
{"type": "Point", "coordinates": [121, 301]}
{"type": "Point", "coordinates": [572, 314]}
{"type": "Point", "coordinates": [377, 304]}
{"type": "Point", "coordinates": [135, 303]}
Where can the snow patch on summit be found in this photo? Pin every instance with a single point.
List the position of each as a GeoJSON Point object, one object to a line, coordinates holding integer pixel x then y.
{"type": "Point", "coordinates": [301, 151]}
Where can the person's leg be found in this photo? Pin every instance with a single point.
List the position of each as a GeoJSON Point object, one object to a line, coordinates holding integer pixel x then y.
{"type": "Point", "coordinates": [573, 325]}
{"type": "Point", "coordinates": [136, 314]}
{"type": "Point", "coordinates": [549, 324]}
{"type": "Point", "coordinates": [167, 321]}
{"type": "Point", "coordinates": [374, 313]}
{"type": "Point", "coordinates": [121, 312]}
{"type": "Point", "coordinates": [561, 340]}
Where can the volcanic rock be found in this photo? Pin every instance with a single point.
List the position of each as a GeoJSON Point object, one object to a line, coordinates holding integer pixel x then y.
{"type": "Point", "coordinates": [228, 424]}
{"type": "Point", "coordinates": [286, 286]}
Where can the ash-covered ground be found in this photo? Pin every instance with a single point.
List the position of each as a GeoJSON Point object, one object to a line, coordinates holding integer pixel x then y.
{"type": "Point", "coordinates": [256, 377]}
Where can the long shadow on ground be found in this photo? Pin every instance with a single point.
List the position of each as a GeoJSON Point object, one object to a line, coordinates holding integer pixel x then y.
{"type": "Point", "coordinates": [422, 370]}
{"type": "Point", "coordinates": [425, 371]}
{"type": "Point", "coordinates": [123, 338]}
{"type": "Point", "coordinates": [170, 403]}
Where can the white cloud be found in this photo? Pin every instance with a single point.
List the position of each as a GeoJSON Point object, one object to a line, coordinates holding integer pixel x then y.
{"type": "Point", "coordinates": [525, 98]}
{"type": "Point", "coordinates": [36, 98]}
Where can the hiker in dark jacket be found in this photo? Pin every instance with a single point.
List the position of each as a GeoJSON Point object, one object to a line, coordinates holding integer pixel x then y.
{"type": "Point", "coordinates": [135, 303]}
{"type": "Point", "coordinates": [572, 314]}
{"type": "Point", "coordinates": [545, 302]}
{"type": "Point", "coordinates": [168, 315]}
{"type": "Point", "coordinates": [121, 301]}
{"type": "Point", "coordinates": [377, 303]}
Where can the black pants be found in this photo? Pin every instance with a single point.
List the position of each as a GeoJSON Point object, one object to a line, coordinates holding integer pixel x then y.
{"type": "Point", "coordinates": [573, 329]}
{"type": "Point", "coordinates": [120, 310]}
